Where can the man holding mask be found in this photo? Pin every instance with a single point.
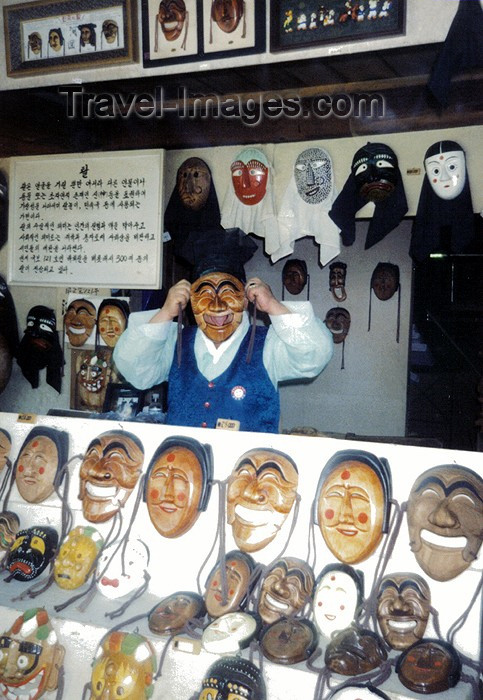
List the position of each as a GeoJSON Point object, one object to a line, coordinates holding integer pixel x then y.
{"type": "Point", "coordinates": [225, 371]}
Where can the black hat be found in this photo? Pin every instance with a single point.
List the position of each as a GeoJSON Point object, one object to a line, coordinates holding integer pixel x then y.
{"type": "Point", "coordinates": [219, 250]}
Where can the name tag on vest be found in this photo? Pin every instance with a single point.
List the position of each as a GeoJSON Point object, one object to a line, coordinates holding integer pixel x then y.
{"type": "Point", "coordinates": [226, 424]}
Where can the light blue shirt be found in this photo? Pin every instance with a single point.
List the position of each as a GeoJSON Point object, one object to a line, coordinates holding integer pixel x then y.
{"type": "Point", "coordinates": [298, 346]}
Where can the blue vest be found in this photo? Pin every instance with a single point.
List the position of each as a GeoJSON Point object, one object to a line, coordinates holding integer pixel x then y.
{"type": "Point", "coordinates": [243, 392]}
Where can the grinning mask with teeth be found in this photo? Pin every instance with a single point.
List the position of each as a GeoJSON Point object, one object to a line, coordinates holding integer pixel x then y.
{"type": "Point", "coordinates": [30, 657]}
{"type": "Point", "coordinates": [445, 512]}
{"type": "Point", "coordinates": [338, 321]}
{"type": "Point", "coordinates": [79, 321]}
{"type": "Point", "coordinates": [403, 606]}
{"type": "Point", "coordinates": [109, 473]}
{"type": "Point", "coordinates": [286, 588]}
{"type": "Point", "coordinates": [31, 552]}
{"type": "Point", "coordinates": [249, 174]}
{"type": "Point", "coordinates": [313, 175]}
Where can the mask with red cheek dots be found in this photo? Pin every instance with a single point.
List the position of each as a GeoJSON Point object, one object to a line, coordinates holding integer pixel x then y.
{"type": "Point", "coordinates": [238, 568]}
{"type": "Point", "coordinates": [249, 173]}
{"type": "Point", "coordinates": [445, 166]}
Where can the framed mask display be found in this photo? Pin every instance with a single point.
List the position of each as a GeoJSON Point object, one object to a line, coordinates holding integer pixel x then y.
{"type": "Point", "coordinates": [289, 641]}
{"type": "Point", "coordinates": [171, 31]}
{"type": "Point", "coordinates": [261, 493]}
{"type": "Point", "coordinates": [338, 597]}
{"type": "Point", "coordinates": [76, 558]}
{"type": "Point", "coordinates": [444, 514]}
{"type": "Point", "coordinates": [122, 568]}
{"type": "Point", "coordinates": [230, 633]}
{"type": "Point", "coordinates": [171, 615]}
{"type": "Point", "coordinates": [9, 526]}
{"type": "Point", "coordinates": [124, 666]}
{"type": "Point", "coordinates": [352, 504]}
{"type": "Point", "coordinates": [31, 657]}
{"type": "Point", "coordinates": [40, 461]}
{"type": "Point", "coordinates": [233, 27]}
{"type": "Point", "coordinates": [337, 277]}
{"type": "Point", "coordinates": [233, 678]}
{"type": "Point", "coordinates": [429, 666]}
{"type": "Point", "coordinates": [31, 552]}
{"type": "Point", "coordinates": [403, 607]}
{"type": "Point", "coordinates": [79, 321]}
{"type": "Point", "coordinates": [178, 484]}
{"type": "Point", "coordinates": [286, 588]}
{"type": "Point", "coordinates": [238, 568]}
{"type": "Point", "coordinates": [109, 472]}
{"type": "Point", "coordinates": [354, 651]}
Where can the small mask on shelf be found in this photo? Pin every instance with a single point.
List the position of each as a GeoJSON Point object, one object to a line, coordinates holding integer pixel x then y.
{"type": "Point", "coordinates": [42, 456]}
{"type": "Point", "coordinates": [233, 678]}
{"type": "Point", "coordinates": [354, 651]}
{"type": "Point", "coordinates": [122, 568]}
{"type": "Point", "coordinates": [338, 597]}
{"type": "Point", "coordinates": [230, 633]}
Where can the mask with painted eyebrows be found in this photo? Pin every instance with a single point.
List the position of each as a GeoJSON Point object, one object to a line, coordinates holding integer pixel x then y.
{"type": "Point", "coordinates": [261, 492]}
{"type": "Point", "coordinates": [109, 473]}
{"type": "Point", "coordinates": [403, 605]}
{"type": "Point", "coordinates": [218, 302]}
{"type": "Point", "coordinates": [79, 321]}
{"type": "Point", "coordinates": [238, 567]}
{"type": "Point", "coordinates": [445, 515]}
{"type": "Point", "coordinates": [286, 588]}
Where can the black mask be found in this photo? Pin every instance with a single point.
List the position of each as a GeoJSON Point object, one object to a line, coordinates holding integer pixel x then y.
{"type": "Point", "coordinates": [40, 348]}
{"type": "Point", "coordinates": [31, 552]}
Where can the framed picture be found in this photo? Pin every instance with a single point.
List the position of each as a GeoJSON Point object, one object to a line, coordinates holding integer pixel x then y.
{"type": "Point", "coordinates": [171, 31]}
{"type": "Point", "coordinates": [124, 400]}
{"type": "Point", "coordinates": [233, 27]}
{"type": "Point", "coordinates": [301, 24]}
{"type": "Point", "coordinates": [58, 35]}
{"type": "Point", "coordinates": [91, 372]}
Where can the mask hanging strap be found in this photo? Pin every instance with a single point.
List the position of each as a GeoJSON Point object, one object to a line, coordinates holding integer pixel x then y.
{"type": "Point", "coordinates": [311, 537]}
{"type": "Point", "coordinates": [436, 624]}
{"type": "Point", "coordinates": [60, 684]}
{"type": "Point", "coordinates": [220, 526]}
{"type": "Point", "coordinates": [308, 286]}
{"type": "Point", "coordinates": [9, 490]}
{"type": "Point", "coordinates": [137, 594]}
{"type": "Point", "coordinates": [244, 33]}
{"type": "Point", "coordinates": [156, 34]}
{"type": "Point", "coordinates": [458, 624]}
{"type": "Point", "coordinates": [251, 342]}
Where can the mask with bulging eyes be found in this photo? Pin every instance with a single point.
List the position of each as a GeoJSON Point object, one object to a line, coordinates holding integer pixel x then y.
{"type": "Point", "coordinates": [261, 492]}
{"type": "Point", "coordinates": [121, 569]}
{"type": "Point", "coordinates": [445, 165]}
{"type": "Point", "coordinates": [313, 175]}
{"type": "Point", "coordinates": [354, 651]}
{"type": "Point", "coordinates": [31, 657]}
{"type": "Point", "coordinates": [92, 378]}
{"type": "Point", "coordinates": [289, 641]}
{"type": "Point", "coordinates": [338, 321]}
{"type": "Point", "coordinates": [429, 666]}
{"type": "Point", "coordinates": [444, 516]}
{"type": "Point", "coordinates": [75, 560]}
{"type": "Point", "coordinates": [286, 588]}
{"type": "Point", "coordinates": [227, 14]}
{"type": "Point", "coordinates": [337, 275]}
{"type": "Point", "coordinates": [376, 171]}
{"type": "Point", "coordinates": [403, 606]}
{"type": "Point", "coordinates": [31, 552]}
{"type": "Point", "coordinates": [249, 174]}
{"type": "Point", "coordinates": [109, 473]}
{"type": "Point", "coordinates": [171, 17]}
{"type": "Point", "coordinates": [124, 666]}
{"type": "Point", "coordinates": [230, 633]}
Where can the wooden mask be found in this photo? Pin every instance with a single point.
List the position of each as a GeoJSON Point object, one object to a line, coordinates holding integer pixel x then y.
{"type": "Point", "coordinates": [173, 613]}
{"type": "Point", "coordinates": [286, 588]}
{"type": "Point", "coordinates": [75, 560]}
{"type": "Point", "coordinates": [112, 320]}
{"type": "Point", "coordinates": [353, 502]}
{"type": "Point", "coordinates": [295, 276]}
{"type": "Point", "coordinates": [289, 641]}
{"type": "Point", "coordinates": [261, 492]}
{"type": "Point", "coordinates": [218, 301]}
{"type": "Point", "coordinates": [79, 321]}
{"type": "Point", "coordinates": [238, 567]}
{"type": "Point", "coordinates": [171, 17]}
{"type": "Point", "coordinates": [376, 171]}
{"type": "Point", "coordinates": [337, 275]}
{"type": "Point", "coordinates": [109, 473]}
{"type": "Point", "coordinates": [178, 484]}
{"type": "Point", "coordinates": [338, 321]}
{"type": "Point", "coordinates": [5, 447]}
{"type": "Point", "coordinates": [193, 182]}
{"type": "Point", "coordinates": [230, 633]}
{"type": "Point", "coordinates": [9, 526]}
{"type": "Point", "coordinates": [31, 552]}
{"type": "Point", "coordinates": [124, 666]}
{"type": "Point", "coordinates": [249, 174]}
{"type": "Point", "coordinates": [403, 606]}
{"type": "Point", "coordinates": [227, 14]}
{"type": "Point", "coordinates": [429, 666]}
{"type": "Point", "coordinates": [38, 466]}
{"type": "Point", "coordinates": [233, 678]}
{"type": "Point", "coordinates": [31, 657]}
{"type": "Point", "coordinates": [338, 597]}
{"type": "Point", "coordinates": [444, 514]}
{"type": "Point", "coordinates": [354, 651]}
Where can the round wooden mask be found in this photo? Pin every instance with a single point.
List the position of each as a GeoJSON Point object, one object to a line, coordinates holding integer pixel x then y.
{"type": "Point", "coordinates": [31, 658]}
{"type": "Point", "coordinates": [354, 651]}
{"type": "Point", "coordinates": [172, 613]}
{"type": "Point", "coordinates": [429, 666]}
{"type": "Point", "coordinates": [444, 515]}
{"type": "Point", "coordinates": [261, 492]}
{"type": "Point", "coordinates": [238, 567]}
{"type": "Point", "coordinates": [285, 590]}
{"type": "Point", "coordinates": [227, 14]}
{"type": "Point", "coordinates": [124, 666]}
{"type": "Point", "coordinates": [109, 473]}
{"type": "Point", "coordinates": [178, 484]}
{"type": "Point", "coordinates": [289, 641]}
{"type": "Point", "coordinates": [193, 181]}
{"type": "Point", "coordinates": [338, 597]}
{"type": "Point", "coordinates": [403, 607]}
{"type": "Point", "coordinates": [233, 678]}
{"type": "Point", "coordinates": [37, 467]}
{"type": "Point", "coordinates": [77, 554]}
{"type": "Point", "coordinates": [352, 504]}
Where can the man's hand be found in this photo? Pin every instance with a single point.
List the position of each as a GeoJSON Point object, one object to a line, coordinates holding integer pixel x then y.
{"type": "Point", "coordinates": [261, 295]}
{"type": "Point", "coordinates": [178, 294]}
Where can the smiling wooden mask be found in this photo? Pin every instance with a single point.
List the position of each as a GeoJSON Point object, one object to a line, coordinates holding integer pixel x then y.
{"type": "Point", "coordinates": [403, 606]}
{"type": "Point", "coordinates": [261, 492]}
{"type": "Point", "coordinates": [178, 484]}
{"type": "Point", "coordinates": [286, 588]}
{"type": "Point", "coordinates": [37, 467]}
{"type": "Point", "coordinates": [444, 514]}
{"type": "Point", "coordinates": [352, 504]}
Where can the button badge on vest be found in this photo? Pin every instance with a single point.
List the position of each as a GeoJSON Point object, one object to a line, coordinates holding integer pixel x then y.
{"type": "Point", "coordinates": [238, 393]}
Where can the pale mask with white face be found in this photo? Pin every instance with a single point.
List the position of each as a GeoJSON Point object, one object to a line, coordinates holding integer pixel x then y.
{"type": "Point", "coordinates": [335, 602]}
{"type": "Point", "coordinates": [229, 633]}
{"type": "Point", "coordinates": [446, 173]}
{"type": "Point", "coordinates": [125, 573]}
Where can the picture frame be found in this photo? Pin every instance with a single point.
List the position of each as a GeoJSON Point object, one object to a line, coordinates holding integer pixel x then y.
{"type": "Point", "coordinates": [302, 25]}
{"type": "Point", "coordinates": [123, 399]}
{"type": "Point", "coordinates": [50, 36]}
{"type": "Point", "coordinates": [165, 45]}
{"type": "Point", "coordinates": [235, 33]}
